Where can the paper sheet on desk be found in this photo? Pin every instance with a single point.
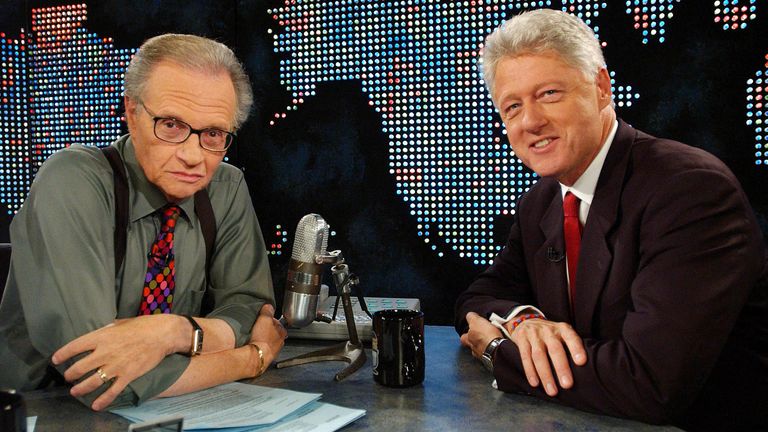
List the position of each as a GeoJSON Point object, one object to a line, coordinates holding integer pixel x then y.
{"type": "Point", "coordinates": [313, 417]}
{"type": "Point", "coordinates": [225, 406]}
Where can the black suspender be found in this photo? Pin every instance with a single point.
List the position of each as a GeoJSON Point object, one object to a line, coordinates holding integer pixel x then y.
{"type": "Point", "coordinates": [121, 202]}
{"type": "Point", "coordinates": [203, 210]}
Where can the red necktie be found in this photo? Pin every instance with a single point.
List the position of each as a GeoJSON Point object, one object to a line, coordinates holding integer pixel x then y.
{"type": "Point", "coordinates": [572, 231]}
{"type": "Point", "coordinates": [157, 296]}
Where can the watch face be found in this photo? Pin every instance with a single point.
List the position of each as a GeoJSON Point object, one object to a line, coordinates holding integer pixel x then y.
{"type": "Point", "coordinates": [488, 353]}
{"type": "Point", "coordinates": [197, 342]}
{"type": "Point", "coordinates": [487, 362]}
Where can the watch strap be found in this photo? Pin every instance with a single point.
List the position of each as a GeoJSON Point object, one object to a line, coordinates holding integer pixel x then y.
{"type": "Point", "coordinates": [490, 350]}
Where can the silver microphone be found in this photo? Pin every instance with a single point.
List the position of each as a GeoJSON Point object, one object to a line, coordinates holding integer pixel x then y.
{"type": "Point", "coordinates": [302, 287]}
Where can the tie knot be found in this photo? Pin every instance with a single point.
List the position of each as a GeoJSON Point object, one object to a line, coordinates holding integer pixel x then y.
{"type": "Point", "coordinates": [571, 205]}
{"type": "Point", "coordinates": [170, 214]}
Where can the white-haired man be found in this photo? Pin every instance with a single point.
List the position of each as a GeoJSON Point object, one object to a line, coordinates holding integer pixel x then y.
{"type": "Point", "coordinates": [633, 280]}
{"type": "Point", "coordinates": [124, 331]}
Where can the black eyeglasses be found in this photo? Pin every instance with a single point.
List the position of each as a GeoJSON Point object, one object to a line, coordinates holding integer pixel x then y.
{"type": "Point", "coordinates": [176, 132]}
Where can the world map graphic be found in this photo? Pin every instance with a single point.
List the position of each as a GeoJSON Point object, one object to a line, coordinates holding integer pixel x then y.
{"type": "Point", "coordinates": [416, 62]}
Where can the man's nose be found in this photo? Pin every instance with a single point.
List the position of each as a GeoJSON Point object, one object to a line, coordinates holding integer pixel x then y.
{"type": "Point", "coordinates": [190, 151]}
{"type": "Point", "coordinates": [533, 118]}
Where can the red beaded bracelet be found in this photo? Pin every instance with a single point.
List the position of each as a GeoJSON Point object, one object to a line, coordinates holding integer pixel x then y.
{"type": "Point", "coordinates": [520, 319]}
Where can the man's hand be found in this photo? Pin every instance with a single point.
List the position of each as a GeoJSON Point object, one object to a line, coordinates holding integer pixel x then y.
{"type": "Point", "coordinates": [268, 334]}
{"type": "Point", "coordinates": [122, 351]}
{"type": "Point", "coordinates": [541, 342]}
{"type": "Point", "coordinates": [481, 333]}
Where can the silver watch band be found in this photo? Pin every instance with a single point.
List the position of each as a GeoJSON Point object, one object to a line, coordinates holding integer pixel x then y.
{"type": "Point", "coordinates": [489, 352]}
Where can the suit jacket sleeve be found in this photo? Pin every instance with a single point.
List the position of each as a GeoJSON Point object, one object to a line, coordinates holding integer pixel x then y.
{"type": "Point", "coordinates": [500, 288]}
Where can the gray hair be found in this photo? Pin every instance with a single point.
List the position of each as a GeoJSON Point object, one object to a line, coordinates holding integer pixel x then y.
{"type": "Point", "coordinates": [195, 53]}
{"type": "Point", "coordinates": [540, 31]}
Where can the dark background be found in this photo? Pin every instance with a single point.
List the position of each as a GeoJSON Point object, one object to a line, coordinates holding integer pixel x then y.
{"type": "Point", "coordinates": [330, 156]}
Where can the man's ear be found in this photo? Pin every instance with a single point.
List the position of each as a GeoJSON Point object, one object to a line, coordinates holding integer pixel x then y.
{"type": "Point", "coordinates": [604, 92]}
{"type": "Point", "coordinates": [130, 110]}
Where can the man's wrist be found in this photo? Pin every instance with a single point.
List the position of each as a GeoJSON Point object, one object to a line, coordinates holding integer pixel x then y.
{"type": "Point", "coordinates": [490, 352]}
{"type": "Point", "coordinates": [196, 344]}
{"type": "Point", "coordinates": [519, 320]}
{"type": "Point", "coordinates": [181, 336]}
{"type": "Point", "coordinates": [258, 359]}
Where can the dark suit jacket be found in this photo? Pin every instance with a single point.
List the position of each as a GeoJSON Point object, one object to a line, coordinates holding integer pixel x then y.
{"type": "Point", "coordinates": [670, 296]}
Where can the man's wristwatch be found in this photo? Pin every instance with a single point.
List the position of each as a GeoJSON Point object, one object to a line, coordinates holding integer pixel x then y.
{"type": "Point", "coordinates": [197, 337]}
{"type": "Point", "coordinates": [490, 350]}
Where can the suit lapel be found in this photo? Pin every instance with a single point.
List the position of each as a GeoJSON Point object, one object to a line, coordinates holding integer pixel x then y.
{"type": "Point", "coordinates": [596, 256]}
{"type": "Point", "coordinates": [550, 263]}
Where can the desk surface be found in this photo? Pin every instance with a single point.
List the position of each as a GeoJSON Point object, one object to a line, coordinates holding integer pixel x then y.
{"type": "Point", "coordinates": [456, 395]}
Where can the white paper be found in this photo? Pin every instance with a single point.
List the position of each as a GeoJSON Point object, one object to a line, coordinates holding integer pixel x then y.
{"type": "Point", "coordinates": [225, 406]}
{"type": "Point", "coordinates": [313, 417]}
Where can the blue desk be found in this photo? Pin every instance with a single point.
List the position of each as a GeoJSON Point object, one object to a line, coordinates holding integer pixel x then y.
{"type": "Point", "coordinates": [456, 395]}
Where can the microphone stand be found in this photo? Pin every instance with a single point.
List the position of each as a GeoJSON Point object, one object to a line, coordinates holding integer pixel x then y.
{"type": "Point", "coordinates": [350, 351]}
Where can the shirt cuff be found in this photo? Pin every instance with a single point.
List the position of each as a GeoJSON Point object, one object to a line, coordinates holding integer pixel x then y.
{"type": "Point", "coordinates": [499, 322]}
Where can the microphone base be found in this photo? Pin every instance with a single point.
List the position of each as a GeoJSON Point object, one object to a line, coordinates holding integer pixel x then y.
{"type": "Point", "coordinates": [350, 351]}
{"type": "Point", "coordinates": [345, 351]}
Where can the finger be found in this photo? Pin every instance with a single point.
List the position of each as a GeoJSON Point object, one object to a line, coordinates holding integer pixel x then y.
{"type": "Point", "coordinates": [280, 329]}
{"type": "Point", "coordinates": [73, 348]}
{"type": "Point", "coordinates": [109, 395]}
{"type": "Point", "coordinates": [267, 309]}
{"type": "Point", "coordinates": [575, 346]}
{"type": "Point", "coordinates": [465, 340]}
{"type": "Point", "coordinates": [543, 370]}
{"type": "Point", "coordinates": [525, 356]}
{"type": "Point", "coordinates": [559, 359]}
{"type": "Point", "coordinates": [469, 340]}
{"type": "Point", "coordinates": [87, 385]}
{"type": "Point", "coordinates": [471, 317]}
{"type": "Point", "coordinates": [82, 367]}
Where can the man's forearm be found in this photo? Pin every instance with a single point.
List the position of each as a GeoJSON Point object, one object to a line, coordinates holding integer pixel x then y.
{"type": "Point", "coordinates": [219, 335]}
{"type": "Point", "coordinates": [216, 368]}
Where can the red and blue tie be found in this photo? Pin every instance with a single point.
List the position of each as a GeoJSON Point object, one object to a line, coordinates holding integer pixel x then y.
{"type": "Point", "coordinates": [157, 296]}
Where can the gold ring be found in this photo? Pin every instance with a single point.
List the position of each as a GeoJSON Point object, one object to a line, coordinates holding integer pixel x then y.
{"type": "Point", "coordinates": [102, 375]}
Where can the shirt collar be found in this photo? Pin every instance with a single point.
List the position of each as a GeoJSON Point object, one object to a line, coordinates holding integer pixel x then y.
{"type": "Point", "coordinates": [584, 187]}
{"type": "Point", "coordinates": [146, 198]}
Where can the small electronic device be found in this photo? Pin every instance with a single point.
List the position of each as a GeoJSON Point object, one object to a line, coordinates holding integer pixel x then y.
{"type": "Point", "coordinates": [337, 329]}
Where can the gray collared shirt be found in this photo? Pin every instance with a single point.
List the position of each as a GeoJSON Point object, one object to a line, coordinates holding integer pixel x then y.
{"type": "Point", "coordinates": [62, 282]}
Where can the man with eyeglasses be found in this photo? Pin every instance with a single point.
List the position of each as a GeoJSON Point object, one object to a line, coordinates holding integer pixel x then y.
{"type": "Point", "coordinates": [130, 331]}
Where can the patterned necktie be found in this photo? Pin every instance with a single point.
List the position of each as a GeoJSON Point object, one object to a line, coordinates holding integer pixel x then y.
{"type": "Point", "coordinates": [157, 296]}
{"type": "Point", "coordinates": [572, 230]}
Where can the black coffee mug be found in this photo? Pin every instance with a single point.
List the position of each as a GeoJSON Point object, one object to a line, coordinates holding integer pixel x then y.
{"type": "Point", "coordinates": [13, 412]}
{"type": "Point", "coordinates": [397, 346]}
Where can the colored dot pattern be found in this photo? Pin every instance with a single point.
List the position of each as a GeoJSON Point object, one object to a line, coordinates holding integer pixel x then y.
{"type": "Point", "coordinates": [586, 10]}
{"type": "Point", "coordinates": [61, 85]}
{"type": "Point", "coordinates": [157, 296]}
{"type": "Point", "coordinates": [650, 17]}
{"type": "Point", "coordinates": [76, 83]}
{"type": "Point", "coordinates": [735, 14]}
{"type": "Point", "coordinates": [417, 63]}
{"type": "Point", "coordinates": [15, 175]}
{"type": "Point", "coordinates": [276, 244]}
{"type": "Point", "coordinates": [757, 114]}
{"type": "Point", "coordinates": [416, 60]}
